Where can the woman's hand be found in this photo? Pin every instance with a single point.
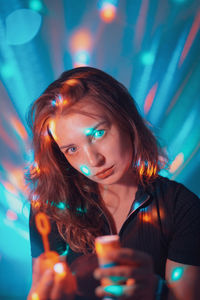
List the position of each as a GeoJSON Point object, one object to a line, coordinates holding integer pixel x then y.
{"type": "Point", "coordinates": [50, 282]}
{"type": "Point", "coordinates": [136, 268]}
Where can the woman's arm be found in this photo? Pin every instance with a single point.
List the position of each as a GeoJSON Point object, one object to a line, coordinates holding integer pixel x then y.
{"type": "Point", "coordinates": [183, 281]}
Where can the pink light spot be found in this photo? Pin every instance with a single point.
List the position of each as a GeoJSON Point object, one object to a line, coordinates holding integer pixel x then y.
{"type": "Point", "coordinates": [11, 215]}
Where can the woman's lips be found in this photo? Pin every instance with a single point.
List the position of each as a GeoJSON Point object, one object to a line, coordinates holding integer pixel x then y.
{"type": "Point", "coordinates": [105, 173]}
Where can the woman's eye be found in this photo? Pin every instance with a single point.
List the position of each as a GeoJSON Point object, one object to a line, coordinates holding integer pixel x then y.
{"type": "Point", "coordinates": [99, 133]}
{"type": "Point", "coordinates": [71, 150]}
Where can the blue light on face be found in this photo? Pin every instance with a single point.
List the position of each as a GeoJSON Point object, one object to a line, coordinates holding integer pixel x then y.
{"type": "Point", "coordinates": [88, 131]}
{"type": "Point", "coordinates": [94, 132]}
{"type": "Point", "coordinates": [99, 133]}
{"type": "Point", "coordinates": [85, 170]}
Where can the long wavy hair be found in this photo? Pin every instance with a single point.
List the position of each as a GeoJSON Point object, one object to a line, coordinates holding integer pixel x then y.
{"type": "Point", "coordinates": [66, 195]}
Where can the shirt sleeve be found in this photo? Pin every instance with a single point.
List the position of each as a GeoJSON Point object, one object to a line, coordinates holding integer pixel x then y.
{"type": "Point", "coordinates": [56, 242]}
{"type": "Point", "coordinates": [184, 245]}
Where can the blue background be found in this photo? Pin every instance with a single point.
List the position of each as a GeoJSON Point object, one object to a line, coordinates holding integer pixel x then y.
{"type": "Point", "coordinates": [152, 47]}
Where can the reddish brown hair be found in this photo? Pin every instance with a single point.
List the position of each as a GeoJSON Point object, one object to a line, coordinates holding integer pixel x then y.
{"type": "Point", "coordinates": [69, 197]}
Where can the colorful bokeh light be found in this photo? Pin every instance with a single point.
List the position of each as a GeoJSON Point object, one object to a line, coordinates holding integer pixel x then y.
{"type": "Point", "coordinates": [36, 5]}
{"type": "Point", "coordinates": [108, 12]}
{"type": "Point", "coordinates": [25, 22]}
{"type": "Point", "coordinates": [81, 58]}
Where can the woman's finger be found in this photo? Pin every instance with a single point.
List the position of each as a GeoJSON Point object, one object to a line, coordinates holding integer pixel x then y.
{"type": "Point", "coordinates": [44, 286]}
{"type": "Point", "coordinates": [64, 283]}
{"type": "Point", "coordinates": [36, 272]}
{"type": "Point", "coordinates": [58, 288]}
{"type": "Point", "coordinates": [121, 272]}
{"type": "Point", "coordinates": [128, 256]}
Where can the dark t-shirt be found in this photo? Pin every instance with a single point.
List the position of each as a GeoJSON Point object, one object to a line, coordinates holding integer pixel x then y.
{"type": "Point", "coordinates": [164, 221]}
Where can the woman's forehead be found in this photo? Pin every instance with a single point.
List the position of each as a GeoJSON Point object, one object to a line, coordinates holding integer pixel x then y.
{"type": "Point", "coordinates": [88, 107]}
{"type": "Point", "coordinates": [79, 120]}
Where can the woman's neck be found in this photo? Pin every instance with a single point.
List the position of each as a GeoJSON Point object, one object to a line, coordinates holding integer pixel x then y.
{"type": "Point", "coordinates": [118, 193]}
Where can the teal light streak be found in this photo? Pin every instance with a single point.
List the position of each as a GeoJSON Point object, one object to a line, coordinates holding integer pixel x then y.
{"type": "Point", "coordinates": [180, 1]}
{"type": "Point", "coordinates": [177, 273]}
{"type": "Point", "coordinates": [85, 170]}
{"type": "Point", "coordinates": [165, 89]}
{"type": "Point", "coordinates": [143, 84]}
{"type": "Point", "coordinates": [181, 109]}
{"type": "Point", "coordinates": [116, 290]}
{"type": "Point", "coordinates": [183, 134]}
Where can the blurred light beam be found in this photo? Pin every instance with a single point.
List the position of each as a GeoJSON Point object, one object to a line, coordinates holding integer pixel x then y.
{"type": "Point", "coordinates": [191, 36]}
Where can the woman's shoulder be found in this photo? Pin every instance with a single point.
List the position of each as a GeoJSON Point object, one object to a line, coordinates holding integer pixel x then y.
{"type": "Point", "coordinates": [168, 185]}
{"type": "Point", "coordinates": [174, 195]}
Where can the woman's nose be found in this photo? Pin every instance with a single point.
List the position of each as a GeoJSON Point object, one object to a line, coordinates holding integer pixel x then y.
{"type": "Point", "coordinates": [94, 157]}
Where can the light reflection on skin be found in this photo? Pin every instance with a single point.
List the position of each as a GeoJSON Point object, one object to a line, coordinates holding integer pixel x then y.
{"type": "Point", "coordinates": [177, 273]}
{"type": "Point", "coordinates": [116, 290]}
{"type": "Point", "coordinates": [85, 170]}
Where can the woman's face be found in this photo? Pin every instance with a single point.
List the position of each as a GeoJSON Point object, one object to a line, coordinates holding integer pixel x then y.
{"type": "Point", "coordinates": [93, 144]}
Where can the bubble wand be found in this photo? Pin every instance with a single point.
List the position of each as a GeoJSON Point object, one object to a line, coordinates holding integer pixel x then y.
{"type": "Point", "coordinates": [44, 228]}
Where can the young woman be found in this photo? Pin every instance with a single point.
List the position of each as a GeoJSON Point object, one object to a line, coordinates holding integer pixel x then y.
{"type": "Point", "coordinates": [96, 173]}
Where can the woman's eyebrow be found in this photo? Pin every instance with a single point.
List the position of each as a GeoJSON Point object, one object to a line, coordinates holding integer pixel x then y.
{"type": "Point", "coordinates": [87, 132]}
